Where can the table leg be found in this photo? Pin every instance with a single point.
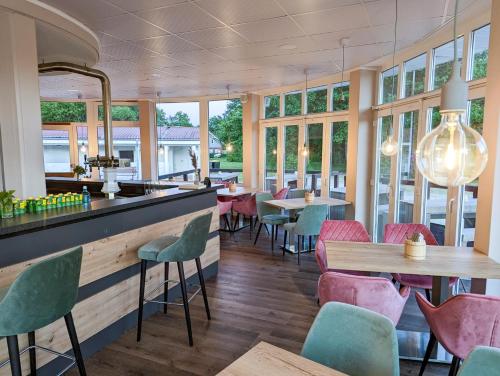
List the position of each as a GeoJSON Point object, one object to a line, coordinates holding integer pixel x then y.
{"type": "Point", "coordinates": [440, 289]}
{"type": "Point", "coordinates": [478, 286]}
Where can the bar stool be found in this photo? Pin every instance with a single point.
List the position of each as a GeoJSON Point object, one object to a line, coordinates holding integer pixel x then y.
{"type": "Point", "coordinates": [40, 295]}
{"type": "Point", "coordinates": [189, 246]}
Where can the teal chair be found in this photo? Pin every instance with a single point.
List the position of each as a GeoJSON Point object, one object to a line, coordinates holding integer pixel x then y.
{"type": "Point", "coordinates": [353, 340]}
{"type": "Point", "coordinates": [295, 193]}
{"type": "Point", "coordinates": [189, 246]}
{"type": "Point", "coordinates": [308, 224]}
{"type": "Point", "coordinates": [482, 361]}
{"type": "Point", "coordinates": [268, 215]}
{"type": "Point", "coordinates": [40, 295]}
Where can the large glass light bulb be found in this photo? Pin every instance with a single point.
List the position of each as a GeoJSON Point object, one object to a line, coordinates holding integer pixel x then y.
{"type": "Point", "coordinates": [229, 148]}
{"type": "Point", "coordinates": [453, 154]}
{"type": "Point", "coordinates": [389, 147]}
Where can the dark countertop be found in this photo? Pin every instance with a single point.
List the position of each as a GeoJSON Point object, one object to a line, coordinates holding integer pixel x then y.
{"type": "Point", "coordinates": [55, 217]}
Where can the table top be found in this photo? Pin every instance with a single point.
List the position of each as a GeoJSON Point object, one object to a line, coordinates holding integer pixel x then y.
{"type": "Point", "coordinates": [240, 191]}
{"type": "Point", "coordinates": [300, 203]}
{"type": "Point", "coordinates": [442, 261]}
{"type": "Point", "coordinates": [266, 359]}
{"type": "Point", "coordinates": [223, 175]}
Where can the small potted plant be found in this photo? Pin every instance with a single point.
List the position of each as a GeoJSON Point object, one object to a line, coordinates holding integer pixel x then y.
{"type": "Point", "coordinates": [415, 247]}
{"type": "Point", "coordinates": [7, 203]}
{"type": "Point", "coordinates": [79, 171]}
{"type": "Point", "coordinates": [309, 196]}
{"type": "Point", "coordinates": [194, 163]}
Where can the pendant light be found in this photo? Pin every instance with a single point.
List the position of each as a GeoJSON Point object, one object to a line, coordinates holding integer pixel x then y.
{"type": "Point", "coordinates": [229, 146]}
{"type": "Point", "coordinates": [453, 154]}
{"type": "Point", "coordinates": [305, 151]}
{"type": "Point", "coordinates": [343, 42]}
{"type": "Point", "coordinates": [390, 145]}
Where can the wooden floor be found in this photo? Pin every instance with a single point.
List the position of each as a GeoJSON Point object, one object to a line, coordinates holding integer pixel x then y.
{"type": "Point", "coordinates": [255, 297]}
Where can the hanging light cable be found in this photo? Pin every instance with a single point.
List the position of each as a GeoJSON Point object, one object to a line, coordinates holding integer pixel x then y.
{"type": "Point", "coordinates": [342, 96]}
{"type": "Point", "coordinates": [229, 146]}
{"type": "Point", "coordinates": [454, 153]}
{"type": "Point", "coordinates": [390, 145]}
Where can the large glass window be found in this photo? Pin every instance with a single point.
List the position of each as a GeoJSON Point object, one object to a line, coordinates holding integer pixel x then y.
{"type": "Point", "coordinates": [225, 139]}
{"type": "Point", "coordinates": [63, 112]}
{"type": "Point", "coordinates": [383, 179]}
{"type": "Point", "coordinates": [293, 103]}
{"type": "Point", "coordinates": [408, 145]}
{"type": "Point", "coordinates": [338, 166]}
{"type": "Point", "coordinates": [83, 144]}
{"type": "Point", "coordinates": [480, 43]}
{"type": "Point", "coordinates": [340, 97]}
{"type": "Point", "coordinates": [56, 150]}
{"type": "Point", "coordinates": [314, 144]}
{"type": "Point", "coordinates": [272, 106]}
{"type": "Point", "coordinates": [121, 112]}
{"type": "Point", "coordinates": [389, 85]}
{"type": "Point", "coordinates": [291, 155]}
{"type": "Point", "coordinates": [316, 99]}
{"type": "Point", "coordinates": [443, 62]}
{"type": "Point", "coordinates": [414, 75]}
{"type": "Point", "coordinates": [178, 131]}
{"type": "Point", "coordinates": [127, 148]}
{"type": "Point", "coordinates": [271, 159]}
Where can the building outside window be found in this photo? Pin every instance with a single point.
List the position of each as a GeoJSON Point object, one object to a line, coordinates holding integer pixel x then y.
{"type": "Point", "coordinates": [127, 148]}
{"type": "Point", "coordinates": [340, 96]}
{"type": "Point", "coordinates": [479, 57]}
{"type": "Point", "coordinates": [414, 76]}
{"type": "Point", "coordinates": [56, 150]}
{"type": "Point", "coordinates": [389, 85]}
{"type": "Point", "coordinates": [271, 106]}
{"type": "Point", "coordinates": [293, 103]}
{"type": "Point", "coordinates": [442, 61]}
{"type": "Point", "coordinates": [316, 100]}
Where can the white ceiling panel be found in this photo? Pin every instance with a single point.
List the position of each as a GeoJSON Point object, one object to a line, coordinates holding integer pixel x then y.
{"type": "Point", "coordinates": [265, 30]}
{"type": "Point", "coordinates": [242, 11]}
{"type": "Point", "coordinates": [214, 38]}
{"type": "Point", "coordinates": [127, 27]}
{"type": "Point", "coordinates": [135, 5]}
{"type": "Point", "coordinates": [167, 44]}
{"type": "Point", "coordinates": [307, 6]}
{"type": "Point", "coordinates": [87, 11]}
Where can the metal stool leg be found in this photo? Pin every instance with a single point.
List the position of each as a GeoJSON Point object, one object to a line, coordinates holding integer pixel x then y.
{"type": "Point", "coordinates": [203, 289]}
{"type": "Point", "coordinates": [258, 233]}
{"type": "Point", "coordinates": [182, 279]}
{"type": "Point", "coordinates": [15, 359]}
{"type": "Point", "coordinates": [144, 264]}
{"type": "Point", "coordinates": [165, 289]}
{"type": "Point", "coordinates": [299, 248]}
{"type": "Point", "coordinates": [70, 325]}
{"type": "Point", "coordinates": [272, 239]}
{"type": "Point", "coordinates": [32, 351]}
{"type": "Point", "coordinates": [284, 242]}
{"type": "Point", "coordinates": [428, 352]}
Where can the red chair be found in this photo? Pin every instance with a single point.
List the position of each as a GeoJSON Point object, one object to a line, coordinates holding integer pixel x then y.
{"type": "Point", "coordinates": [247, 208]}
{"type": "Point", "coordinates": [224, 210]}
{"type": "Point", "coordinates": [350, 231]}
{"type": "Point", "coordinates": [373, 293]}
{"type": "Point", "coordinates": [281, 195]}
{"type": "Point", "coordinates": [397, 233]}
{"type": "Point", "coordinates": [461, 323]}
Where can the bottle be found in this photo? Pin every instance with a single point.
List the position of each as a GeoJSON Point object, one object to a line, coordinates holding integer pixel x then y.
{"type": "Point", "coordinates": [85, 196]}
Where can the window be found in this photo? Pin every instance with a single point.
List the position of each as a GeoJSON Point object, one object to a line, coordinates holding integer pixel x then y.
{"type": "Point", "coordinates": [225, 139]}
{"type": "Point", "coordinates": [293, 103]}
{"type": "Point", "coordinates": [480, 42]}
{"type": "Point", "coordinates": [408, 145]}
{"type": "Point", "coordinates": [414, 75]}
{"type": "Point", "coordinates": [126, 147]}
{"type": "Point", "coordinates": [340, 97]}
{"type": "Point", "coordinates": [271, 106]}
{"type": "Point", "coordinates": [121, 113]}
{"type": "Point", "coordinates": [83, 145]}
{"type": "Point", "coordinates": [389, 84]}
{"type": "Point", "coordinates": [383, 179]}
{"type": "Point", "coordinates": [314, 144]}
{"type": "Point", "coordinates": [443, 61]}
{"type": "Point", "coordinates": [338, 166]}
{"type": "Point", "coordinates": [56, 150]}
{"type": "Point", "coordinates": [291, 155]}
{"type": "Point", "coordinates": [178, 130]}
{"type": "Point", "coordinates": [271, 159]}
{"type": "Point", "coordinates": [63, 112]}
{"type": "Point", "coordinates": [316, 100]}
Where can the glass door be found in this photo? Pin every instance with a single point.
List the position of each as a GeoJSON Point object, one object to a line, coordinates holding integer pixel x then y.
{"type": "Point", "coordinates": [314, 158]}
{"type": "Point", "coordinates": [271, 159]}
{"type": "Point", "coordinates": [59, 149]}
{"type": "Point", "coordinates": [291, 156]}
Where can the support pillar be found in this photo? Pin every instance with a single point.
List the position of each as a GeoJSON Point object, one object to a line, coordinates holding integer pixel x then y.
{"type": "Point", "coordinates": [149, 149]}
{"type": "Point", "coordinates": [251, 141]}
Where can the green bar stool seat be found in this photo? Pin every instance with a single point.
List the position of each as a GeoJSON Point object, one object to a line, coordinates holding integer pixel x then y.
{"type": "Point", "coordinates": [482, 361]}
{"type": "Point", "coordinates": [269, 215]}
{"type": "Point", "coordinates": [40, 295]}
{"type": "Point", "coordinates": [189, 246]}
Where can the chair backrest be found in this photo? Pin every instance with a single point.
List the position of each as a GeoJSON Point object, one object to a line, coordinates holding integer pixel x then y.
{"type": "Point", "coordinates": [224, 206]}
{"type": "Point", "coordinates": [482, 361]}
{"type": "Point", "coordinates": [192, 242]}
{"type": "Point", "coordinates": [353, 340]}
{"type": "Point", "coordinates": [309, 222]}
{"type": "Point", "coordinates": [397, 233]}
{"type": "Point", "coordinates": [41, 294]}
{"type": "Point", "coordinates": [296, 193]}
{"type": "Point", "coordinates": [281, 195]}
{"type": "Point", "coordinates": [464, 321]}
{"type": "Point", "coordinates": [351, 231]}
{"type": "Point", "coordinates": [373, 293]}
{"type": "Point", "coordinates": [263, 208]}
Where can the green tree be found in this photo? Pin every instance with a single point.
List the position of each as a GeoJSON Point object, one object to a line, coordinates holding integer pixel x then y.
{"type": "Point", "coordinates": [161, 117]}
{"type": "Point", "coordinates": [271, 147]}
{"type": "Point", "coordinates": [293, 104]}
{"type": "Point", "coordinates": [291, 148]}
{"type": "Point", "coordinates": [389, 86]}
{"type": "Point", "coordinates": [180, 119]}
{"type": "Point", "coordinates": [121, 113]}
{"type": "Point", "coordinates": [228, 129]}
{"type": "Point", "coordinates": [341, 102]}
{"type": "Point", "coordinates": [316, 101]}
{"type": "Point", "coordinates": [272, 106]}
{"type": "Point", "coordinates": [63, 112]}
{"type": "Point", "coordinates": [480, 65]}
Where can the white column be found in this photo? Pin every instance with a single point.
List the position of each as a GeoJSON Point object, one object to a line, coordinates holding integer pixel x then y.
{"type": "Point", "coordinates": [20, 118]}
{"type": "Point", "coordinates": [204, 139]}
{"type": "Point", "coordinates": [251, 141]}
{"type": "Point", "coordinates": [487, 236]}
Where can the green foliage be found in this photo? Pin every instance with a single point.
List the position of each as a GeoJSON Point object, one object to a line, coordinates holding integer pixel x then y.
{"type": "Point", "coordinates": [476, 116]}
{"type": "Point", "coordinates": [339, 146]}
{"type": "Point", "coordinates": [293, 104]}
{"type": "Point", "coordinates": [6, 197]}
{"type": "Point", "coordinates": [161, 117]}
{"type": "Point", "coordinates": [228, 129]}
{"type": "Point", "coordinates": [341, 103]}
{"type": "Point", "coordinates": [63, 112]}
{"type": "Point", "coordinates": [385, 161]}
{"type": "Point", "coordinates": [480, 65]}
{"type": "Point", "coordinates": [121, 113]}
{"type": "Point", "coordinates": [291, 148]}
{"type": "Point", "coordinates": [414, 82]}
{"type": "Point", "coordinates": [271, 146]}
{"type": "Point", "coordinates": [79, 170]}
{"type": "Point", "coordinates": [389, 87]}
{"type": "Point", "coordinates": [272, 106]}
{"type": "Point", "coordinates": [315, 147]}
{"type": "Point", "coordinates": [316, 101]}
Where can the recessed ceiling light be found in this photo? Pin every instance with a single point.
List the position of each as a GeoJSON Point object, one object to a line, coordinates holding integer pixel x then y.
{"type": "Point", "coordinates": [288, 47]}
{"type": "Point", "coordinates": [74, 90]}
{"type": "Point", "coordinates": [155, 75]}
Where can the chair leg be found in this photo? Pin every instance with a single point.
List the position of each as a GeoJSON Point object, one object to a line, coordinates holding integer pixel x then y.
{"type": "Point", "coordinates": [182, 279]}
{"type": "Point", "coordinates": [32, 351]}
{"type": "Point", "coordinates": [310, 243]}
{"type": "Point", "coordinates": [203, 289]}
{"type": "Point", "coordinates": [250, 227]}
{"type": "Point", "coordinates": [284, 242]}
{"type": "Point", "coordinates": [267, 230]}
{"type": "Point", "coordinates": [272, 239]}
{"type": "Point", "coordinates": [142, 284]}
{"type": "Point", "coordinates": [236, 221]}
{"type": "Point", "coordinates": [70, 325]}
{"type": "Point", "coordinates": [258, 233]}
{"type": "Point", "coordinates": [428, 352]}
{"type": "Point", "coordinates": [15, 359]}
{"type": "Point", "coordinates": [165, 288]}
{"type": "Point", "coordinates": [299, 248]}
{"type": "Point", "coordinates": [455, 364]}
{"type": "Point", "coordinates": [226, 222]}
{"type": "Point", "coordinates": [428, 294]}
{"type": "Point", "coordinates": [276, 232]}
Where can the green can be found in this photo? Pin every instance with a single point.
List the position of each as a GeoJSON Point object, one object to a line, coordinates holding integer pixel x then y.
{"type": "Point", "coordinates": [31, 205]}
{"type": "Point", "coordinates": [59, 201]}
{"type": "Point", "coordinates": [39, 205]}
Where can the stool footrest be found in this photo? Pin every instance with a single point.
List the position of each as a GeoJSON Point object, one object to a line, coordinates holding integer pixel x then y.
{"type": "Point", "coordinates": [198, 289]}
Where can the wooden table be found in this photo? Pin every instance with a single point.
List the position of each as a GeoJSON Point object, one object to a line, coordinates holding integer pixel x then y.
{"type": "Point", "coordinates": [300, 203]}
{"type": "Point", "coordinates": [265, 359]}
{"type": "Point", "coordinates": [240, 191]}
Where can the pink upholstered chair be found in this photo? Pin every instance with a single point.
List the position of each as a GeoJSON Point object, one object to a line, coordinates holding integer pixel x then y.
{"type": "Point", "coordinates": [461, 323]}
{"type": "Point", "coordinates": [224, 210]}
{"type": "Point", "coordinates": [247, 208]}
{"type": "Point", "coordinates": [397, 233]}
{"type": "Point", "coordinates": [373, 293]}
{"type": "Point", "coordinates": [351, 231]}
{"type": "Point", "coordinates": [281, 195]}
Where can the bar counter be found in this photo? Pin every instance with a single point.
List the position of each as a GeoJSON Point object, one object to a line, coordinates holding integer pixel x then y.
{"type": "Point", "coordinates": [110, 232]}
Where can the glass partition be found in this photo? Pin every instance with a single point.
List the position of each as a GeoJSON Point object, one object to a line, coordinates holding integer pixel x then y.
{"type": "Point", "coordinates": [83, 144]}
{"type": "Point", "coordinates": [126, 147]}
{"type": "Point", "coordinates": [338, 166]}
{"type": "Point", "coordinates": [291, 156]}
{"type": "Point", "coordinates": [293, 103]}
{"type": "Point", "coordinates": [270, 168]}
{"type": "Point", "coordinates": [271, 106]}
{"type": "Point", "coordinates": [314, 144]}
{"type": "Point", "coordinates": [56, 150]}
{"type": "Point", "coordinates": [442, 61]}
{"type": "Point", "coordinates": [316, 99]}
{"type": "Point", "coordinates": [340, 96]}
{"type": "Point", "coordinates": [121, 112]}
{"type": "Point", "coordinates": [414, 75]}
{"type": "Point", "coordinates": [63, 112]}
{"type": "Point", "coordinates": [479, 58]}
{"type": "Point", "coordinates": [389, 85]}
